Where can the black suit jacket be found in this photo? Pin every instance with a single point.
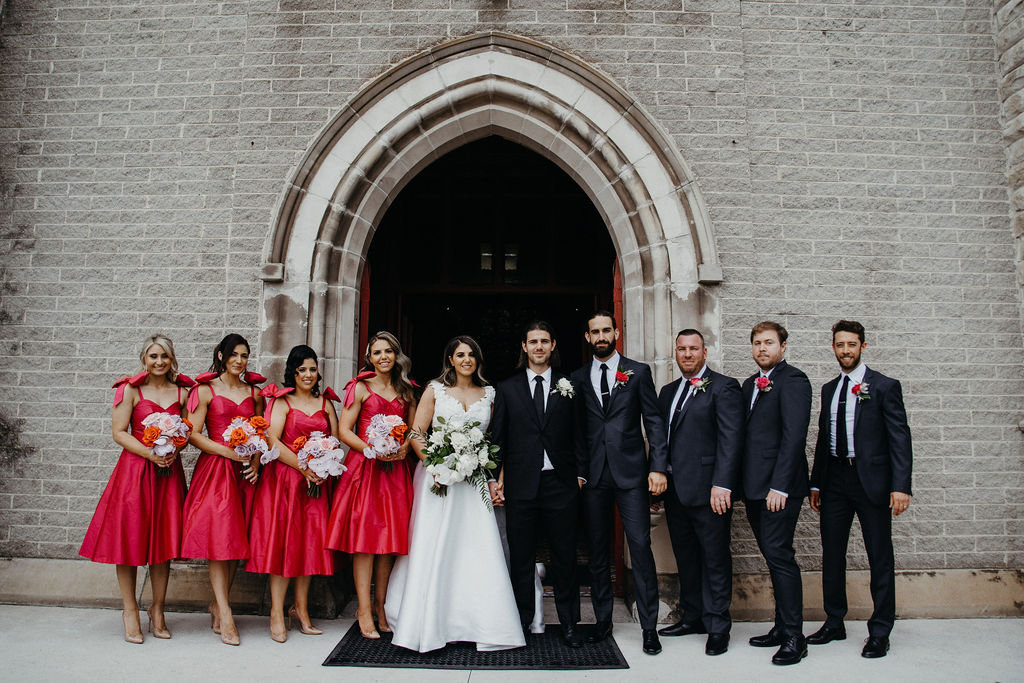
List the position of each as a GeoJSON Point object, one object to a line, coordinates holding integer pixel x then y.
{"type": "Point", "coordinates": [706, 439]}
{"type": "Point", "coordinates": [524, 437]}
{"type": "Point", "coordinates": [613, 437]}
{"type": "Point", "coordinates": [774, 455]}
{"type": "Point", "coordinates": [881, 438]}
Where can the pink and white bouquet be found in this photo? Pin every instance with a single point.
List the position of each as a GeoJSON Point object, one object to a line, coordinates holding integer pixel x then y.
{"type": "Point", "coordinates": [385, 434]}
{"type": "Point", "coordinates": [457, 452]}
{"type": "Point", "coordinates": [164, 433]}
{"type": "Point", "coordinates": [247, 436]}
{"type": "Point", "coordinates": [321, 454]}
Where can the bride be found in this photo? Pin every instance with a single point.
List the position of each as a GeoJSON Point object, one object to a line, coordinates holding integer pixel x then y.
{"type": "Point", "coordinates": [453, 585]}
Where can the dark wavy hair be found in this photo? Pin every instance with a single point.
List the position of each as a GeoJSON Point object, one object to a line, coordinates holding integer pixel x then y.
{"type": "Point", "coordinates": [296, 357]}
{"type": "Point", "coordinates": [544, 326]}
{"type": "Point", "coordinates": [224, 349]}
{"type": "Point", "coordinates": [447, 376]}
{"type": "Point", "coordinates": [399, 380]}
{"type": "Point", "coordinates": [848, 326]}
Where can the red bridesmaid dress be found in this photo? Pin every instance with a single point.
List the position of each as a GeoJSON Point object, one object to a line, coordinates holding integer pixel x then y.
{"type": "Point", "coordinates": [288, 527]}
{"type": "Point", "coordinates": [372, 503]}
{"type": "Point", "coordinates": [138, 519]}
{"type": "Point", "coordinates": [219, 502]}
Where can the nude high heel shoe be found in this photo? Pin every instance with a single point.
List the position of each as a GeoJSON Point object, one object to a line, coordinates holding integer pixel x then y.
{"type": "Point", "coordinates": [305, 630]}
{"type": "Point", "coordinates": [129, 637]}
{"type": "Point", "coordinates": [157, 631]}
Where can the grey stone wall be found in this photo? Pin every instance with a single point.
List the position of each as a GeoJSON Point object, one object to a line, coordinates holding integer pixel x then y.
{"type": "Point", "coordinates": [851, 155]}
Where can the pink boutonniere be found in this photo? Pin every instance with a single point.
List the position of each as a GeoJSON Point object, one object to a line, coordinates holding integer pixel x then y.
{"type": "Point", "coordinates": [763, 383]}
{"type": "Point", "coordinates": [699, 383]}
{"type": "Point", "coordinates": [622, 377]}
{"type": "Point", "coordinates": [861, 392]}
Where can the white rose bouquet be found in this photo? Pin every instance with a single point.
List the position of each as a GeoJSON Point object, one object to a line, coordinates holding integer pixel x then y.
{"type": "Point", "coordinates": [458, 452]}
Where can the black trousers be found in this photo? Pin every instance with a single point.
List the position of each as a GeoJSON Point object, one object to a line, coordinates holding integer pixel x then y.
{"type": "Point", "coordinates": [843, 496]}
{"type": "Point", "coordinates": [599, 503]}
{"type": "Point", "coordinates": [700, 542]}
{"type": "Point", "coordinates": [774, 533]}
{"type": "Point", "coordinates": [553, 514]}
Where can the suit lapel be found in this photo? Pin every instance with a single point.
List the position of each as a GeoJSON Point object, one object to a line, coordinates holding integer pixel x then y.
{"type": "Point", "coordinates": [678, 418]}
{"type": "Point", "coordinates": [856, 409]}
{"type": "Point", "coordinates": [828, 393]}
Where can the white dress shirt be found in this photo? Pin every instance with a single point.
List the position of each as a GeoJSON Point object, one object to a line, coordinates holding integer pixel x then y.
{"type": "Point", "coordinates": [856, 377]}
{"type": "Point", "coordinates": [545, 386]}
{"type": "Point", "coordinates": [595, 374]}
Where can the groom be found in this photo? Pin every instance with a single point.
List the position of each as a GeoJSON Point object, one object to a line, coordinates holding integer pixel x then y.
{"type": "Point", "coordinates": [615, 393]}
{"type": "Point", "coordinates": [539, 482]}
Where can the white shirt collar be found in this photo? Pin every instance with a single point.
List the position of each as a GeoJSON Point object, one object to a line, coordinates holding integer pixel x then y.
{"type": "Point", "coordinates": [856, 375]}
{"type": "Point", "coordinates": [530, 374]}
{"type": "Point", "coordinates": [612, 362]}
{"type": "Point", "coordinates": [700, 373]}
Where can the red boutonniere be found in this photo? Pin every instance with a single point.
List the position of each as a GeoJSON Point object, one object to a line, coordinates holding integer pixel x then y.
{"type": "Point", "coordinates": [861, 392]}
{"type": "Point", "coordinates": [699, 383]}
{"type": "Point", "coordinates": [622, 377]}
{"type": "Point", "coordinates": [763, 384]}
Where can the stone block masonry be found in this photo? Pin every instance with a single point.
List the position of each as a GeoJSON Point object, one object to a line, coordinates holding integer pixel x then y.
{"type": "Point", "coordinates": [852, 156]}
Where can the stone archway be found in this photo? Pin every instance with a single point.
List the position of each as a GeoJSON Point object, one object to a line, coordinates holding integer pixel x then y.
{"type": "Point", "coordinates": [531, 94]}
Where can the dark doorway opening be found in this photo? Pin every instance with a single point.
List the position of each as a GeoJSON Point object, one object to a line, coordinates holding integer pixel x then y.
{"type": "Point", "coordinates": [485, 239]}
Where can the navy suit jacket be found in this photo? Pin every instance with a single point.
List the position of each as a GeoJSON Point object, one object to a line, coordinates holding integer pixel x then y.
{"type": "Point", "coordinates": [613, 437]}
{"type": "Point", "coordinates": [706, 439]}
{"type": "Point", "coordinates": [881, 438]}
{"type": "Point", "coordinates": [774, 456]}
{"type": "Point", "coordinates": [524, 436]}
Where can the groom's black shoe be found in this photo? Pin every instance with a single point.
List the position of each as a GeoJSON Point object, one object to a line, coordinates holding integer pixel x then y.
{"type": "Point", "coordinates": [771, 639]}
{"type": "Point", "coordinates": [717, 644]}
{"type": "Point", "coordinates": [682, 628]}
{"type": "Point", "coordinates": [652, 645]}
{"type": "Point", "coordinates": [571, 637]}
{"type": "Point", "coordinates": [602, 630]}
{"type": "Point", "coordinates": [794, 648]}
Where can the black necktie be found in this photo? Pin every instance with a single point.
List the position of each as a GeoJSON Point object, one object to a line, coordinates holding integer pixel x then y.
{"type": "Point", "coordinates": [605, 393]}
{"type": "Point", "coordinates": [842, 448]}
{"type": "Point", "coordinates": [538, 396]}
{"type": "Point", "coordinates": [682, 400]}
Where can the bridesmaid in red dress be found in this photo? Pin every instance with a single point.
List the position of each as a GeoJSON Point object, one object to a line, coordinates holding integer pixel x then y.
{"type": "Point", "coordinates": [373, 498]}
{"type": "Point", "coordinates": [219, 501]}
{"type": "Point", "coordinates": [138, 518]}
{"type": "Point", "coordinates": [289, 527]}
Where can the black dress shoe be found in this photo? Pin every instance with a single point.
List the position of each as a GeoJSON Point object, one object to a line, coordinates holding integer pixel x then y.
{"type": "Point", "coordinates": [876, 647]}
{"type": "Point", "coordinates": [717, 644]}
{"type": "Point", "coordinates": [794, 648]}
{"type": "Point", "coordinates": [571, 637]}
{"type": "Point", "coordinates": [771, 639]}
{"type": "Point", "coordinates": [601, 630]}
{"type": "Point", "coordinates": [652, 645]}
{"type": "Point", "coordinates": [826, 634]}
{"type": "Point", "coordinates": [682, 628]}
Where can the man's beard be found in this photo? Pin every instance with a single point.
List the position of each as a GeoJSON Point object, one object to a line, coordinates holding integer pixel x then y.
{"type": "Point", "coordinates": [607, 351]}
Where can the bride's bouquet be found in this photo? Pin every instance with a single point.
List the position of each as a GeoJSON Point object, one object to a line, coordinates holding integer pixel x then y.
{"type": "Point", "coordinates": [458, 452]}
{"type": "Point", "coordinates": [322, 454]}
{"type": "Point", "coordinates": [163, 433]}
{"type": "Point", "coordinates": [247, 436]}
{"type": "Point", "coordinates": [385, 434]}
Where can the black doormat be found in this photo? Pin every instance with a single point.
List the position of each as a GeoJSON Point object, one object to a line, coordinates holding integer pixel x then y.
{"type": "Point", "coordinates": [543, 651]}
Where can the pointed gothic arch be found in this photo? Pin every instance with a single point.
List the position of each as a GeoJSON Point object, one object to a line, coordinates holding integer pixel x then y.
{"type": "Point", "coordinates": [473, 87]}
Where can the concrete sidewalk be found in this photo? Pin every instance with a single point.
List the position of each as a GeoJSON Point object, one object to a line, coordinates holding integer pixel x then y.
{"type": "Point", "coordinates": [52, 643]}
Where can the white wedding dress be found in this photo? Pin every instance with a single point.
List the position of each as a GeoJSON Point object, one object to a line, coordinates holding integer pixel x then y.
{"type": "Point", "coordinates": [453, 585]}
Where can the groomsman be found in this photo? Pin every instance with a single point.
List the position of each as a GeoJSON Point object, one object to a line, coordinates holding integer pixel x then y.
{"type": "Point", "coordinates": [862, 466]}
{"type": "Point", "coordinates": [617, 393]}
{"type": "Point", "coordinates": [778, 403]}
{"type": "Point", "coordinates": [539, 480]}
{"type": "Point", "coordinates": [704, 411]}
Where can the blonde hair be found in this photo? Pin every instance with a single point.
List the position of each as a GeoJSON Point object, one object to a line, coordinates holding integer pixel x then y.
{"type": "Point", "coordinates": [167, 345]}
